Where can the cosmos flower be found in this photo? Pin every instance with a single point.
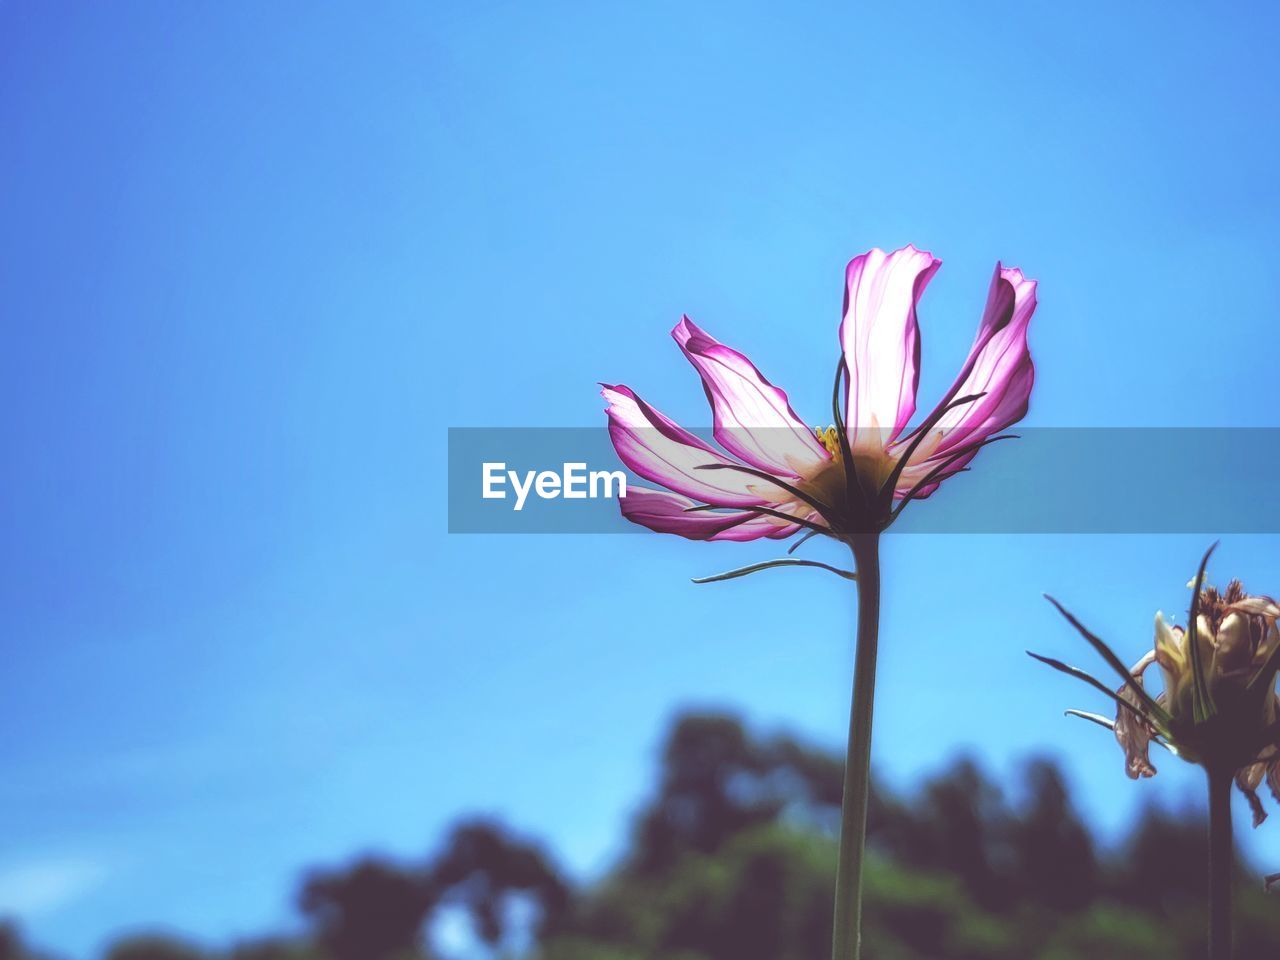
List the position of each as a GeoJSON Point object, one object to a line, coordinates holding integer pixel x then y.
{"type": "Point", "coordinates": [774, 475]}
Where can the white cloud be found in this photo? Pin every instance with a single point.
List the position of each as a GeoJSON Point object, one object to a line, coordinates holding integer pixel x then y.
{"type": "Point", "coordinates": [30, 889]}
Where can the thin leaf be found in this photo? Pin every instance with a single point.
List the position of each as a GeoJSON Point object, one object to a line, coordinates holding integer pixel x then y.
{"type": "Point", "coordinates": [1115, 663]}
{"type": "Point", "coordinates": [1095, 683]}
{"type": "Point", "coordinates": [796, 492]}
{"type": "Point", "coordinates": [837, 414]}
{"type": "Point", "coordinates": [769, 565]}
{"type": "Point", "coordinates": [799, 543]}
{"type": "Point", "coordinates": [937, 471]}
{"type": "Point", "coordinates": [1097, 718]}
{"type": "Point", "coordinates": [1203, 706]}
{"type": "Point", "coordinates": [766, 511]}
{"type": "Point", "coordinates": [1111, 725]}
{"type": "Point", "coordinates": [918, 435]}
{"type": "Point", "coordinates": [852, 478]}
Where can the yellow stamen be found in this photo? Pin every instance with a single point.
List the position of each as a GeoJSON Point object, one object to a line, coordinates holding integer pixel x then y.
{"type": "Point", "coordinates": [829, 438]}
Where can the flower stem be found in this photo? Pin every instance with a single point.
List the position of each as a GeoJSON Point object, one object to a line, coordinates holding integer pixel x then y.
{"type": "Point", "coordinates": [1220, 864]}
{"type": "Point", "coordinates": [847, 934]}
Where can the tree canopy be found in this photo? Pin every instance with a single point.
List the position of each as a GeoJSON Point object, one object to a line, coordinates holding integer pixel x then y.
{"type": "Point", "coordinates": [732, 858]}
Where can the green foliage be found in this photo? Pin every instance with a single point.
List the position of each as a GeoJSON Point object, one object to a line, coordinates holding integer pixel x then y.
{"type": "Point", "coordinates": [574, 948]}
{"type": "Point", "coordinates": [155, 947]}
{"type": "Point", "coordinates": [276, 949]}
{"type": "Point", "coordinates": [482, 868]}
{"type": "Point", "coordinates": [1108, 929]}
{"type": "Point", "coordinates": [733, 858]}
{"type": "Point", "coordinates": [372, 911]}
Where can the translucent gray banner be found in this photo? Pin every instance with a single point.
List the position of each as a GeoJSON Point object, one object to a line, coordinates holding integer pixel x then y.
{"type": "Point", "coordinates": [1049, 480]}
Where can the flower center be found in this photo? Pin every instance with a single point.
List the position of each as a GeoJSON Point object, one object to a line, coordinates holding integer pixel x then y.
{"type": "Point", "coordinates": [829, 438]}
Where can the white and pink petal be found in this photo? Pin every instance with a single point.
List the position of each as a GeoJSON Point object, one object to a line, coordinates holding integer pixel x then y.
{"type": "Point", "coordinates": [658, 449]}
{"type": "Point", "coordinates": [880, 337]}
{"type": "Point", "coordinates": [666, 512]}
{"type": "Point", "coordinates": [752, 418]}
{"type": "Point", "coordinates": [998, 371]}
{"type": "Point", "coordinates": [999, 365]}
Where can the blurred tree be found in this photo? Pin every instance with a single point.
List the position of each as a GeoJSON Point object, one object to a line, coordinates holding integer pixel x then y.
{"type": "Point", "coordinates": [372, 911]}
{"type": "Point", "coordinates": [701, 798]}
{"type": "Point", "coordinates": [1257, 921]}
{"type": "Point", "coordinates": [12, 946]}
{"type": "Point", "coordinates": [578, 949]}
{"type": "Point", "coordinates": [733, 859]}
{"type": "Point", "coordinates": [482, 867]}
{"type": "Point", "coordinates": [767, 892]}
{"type": "Point", "coordinates": [963, 827]}
{"type": "Point", "coordinates": [154, 947]}
{"type": "Point", "coordinates": [766, 895]}
{"type": "Point", "coordinates": [275, 949]}
{"type": "Point", "coordinates": [914, 913]}
{"type": "Point", "coordinates": [894, 829]}
{"type": "Point", "coordinates": [1109, 931]}
{"type": "Point", "coordinates": [1056, 865]}
{"type": "Point", "coordinates": [717, 781]}
{"type": "Point", "coordinates": [1162, 867]}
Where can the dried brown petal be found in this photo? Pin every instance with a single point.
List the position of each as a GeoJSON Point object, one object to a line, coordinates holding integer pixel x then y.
{"type": "Point", "coordinates": [1133, 733]}
{"type": "Point", "coordinates": [1235, 643]}
{"type": "Point", "coordinates": [1273, 778]}
{"type": "Point", "coordinates": [1248, 779]}
{"type": "Point", "coordinates": [1259, 606]}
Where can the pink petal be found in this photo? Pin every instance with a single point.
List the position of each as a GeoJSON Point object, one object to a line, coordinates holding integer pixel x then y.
{"type": "Point", "coordinates": [999, 367]}
{"type": "Point", "coordinates": [881, 340]}
{"type": "Point", "coordinates": [665, 512]}
{"type": "Point", "coordinates": [658, 449]}
{"type": "Point", "coordinates": [752, 417]}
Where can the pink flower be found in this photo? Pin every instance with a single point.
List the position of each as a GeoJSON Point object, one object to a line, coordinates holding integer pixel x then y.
{"type": "Point", "coordinates": [775, 475]}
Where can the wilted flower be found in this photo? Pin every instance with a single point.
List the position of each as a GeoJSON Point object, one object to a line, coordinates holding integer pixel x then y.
{"type": "Point", "coordinates": [1218, 705]}
{"type": "Point", "coordinates": [776, 475]}
{"type": "Point", "coordinates": [1218, 708]}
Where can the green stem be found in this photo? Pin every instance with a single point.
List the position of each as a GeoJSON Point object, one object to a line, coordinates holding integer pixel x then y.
{"type": "Point", "coordinates": [847, 935]}
{"type": "Point", "coordinates": [1220, 864]}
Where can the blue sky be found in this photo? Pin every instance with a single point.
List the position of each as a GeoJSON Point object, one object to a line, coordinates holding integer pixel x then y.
{"type": "Point", "coordinates": [255, 259]}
